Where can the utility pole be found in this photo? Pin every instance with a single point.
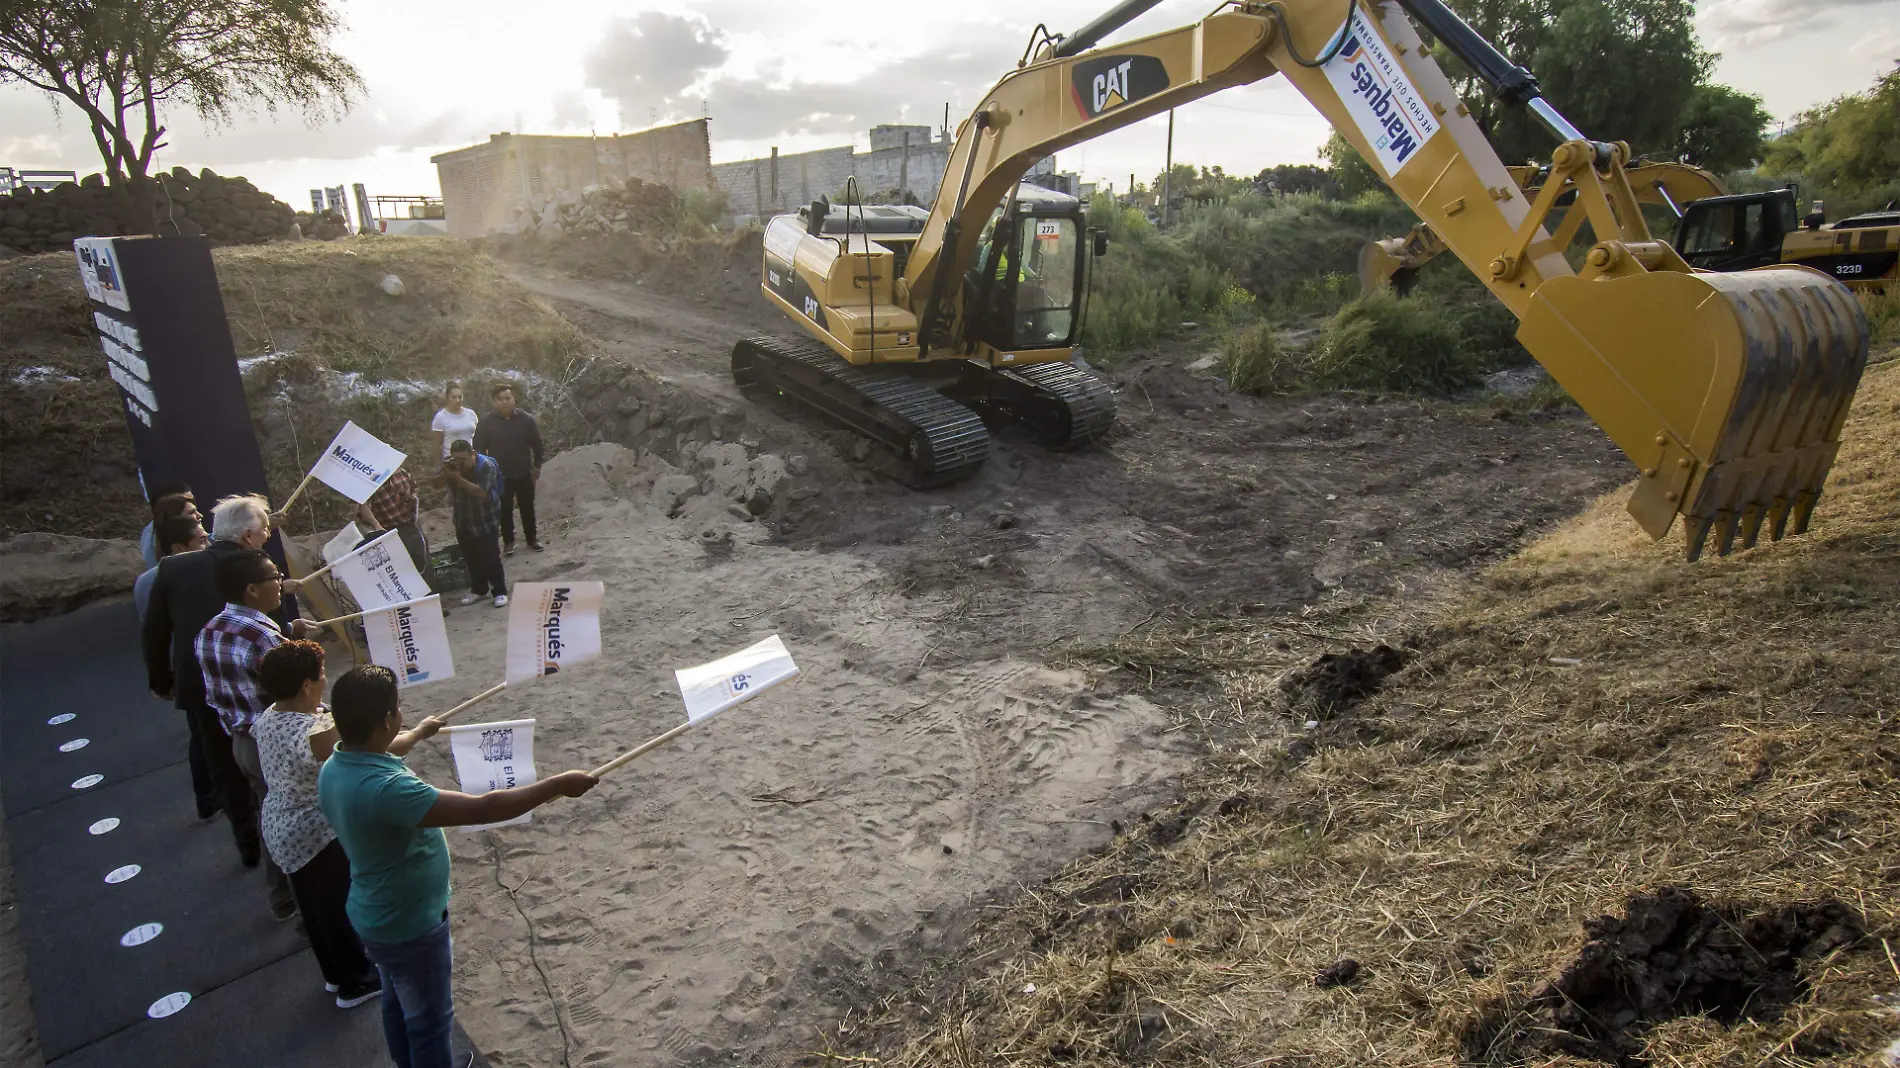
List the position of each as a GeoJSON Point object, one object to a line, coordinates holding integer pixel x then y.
{"type": "Point", "coordinates": [1167, 175]}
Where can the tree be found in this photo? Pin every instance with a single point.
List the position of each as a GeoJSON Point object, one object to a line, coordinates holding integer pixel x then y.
{"type": "Point", "coordinates": [124, 63]}
{"type": "Point", "coordinates": [1349, 169]}
{"type": "Point", "coordinates": [1847, 149]}
{"type": "Point", "coordinates": [1619, 70]}
{"type": "Point", "coordinates": [1721, 130]}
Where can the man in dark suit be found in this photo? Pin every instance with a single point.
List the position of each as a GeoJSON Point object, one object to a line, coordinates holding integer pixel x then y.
{"type": "Point", "coordinates": [185, 595]}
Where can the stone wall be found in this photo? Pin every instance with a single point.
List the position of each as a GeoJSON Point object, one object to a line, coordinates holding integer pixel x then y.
{"type": "Point", "coordinates": [806, 176]}
{"type": "Point", "coordinates": [229, 211]}
{"type": "Point", "coordinates": [487, 187]}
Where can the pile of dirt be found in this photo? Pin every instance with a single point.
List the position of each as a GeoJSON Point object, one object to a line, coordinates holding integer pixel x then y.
{"type": "Point", "coordinates": [46, 574]}
{"type": "Point", "coordinates": [721, 271]}
{"type": "Point", "coordinates": [1591, 722]}
{"type": "Point", "coordinates": [1670, 955]}
{"type": "Point", "coordinates": [1337, 681]}
{"type": "Point", "coordinates": [229, 211]}
{"type": "Point", "coordinates": [321, 342]}
{"type": "Point", "coordinates": [651, 210]}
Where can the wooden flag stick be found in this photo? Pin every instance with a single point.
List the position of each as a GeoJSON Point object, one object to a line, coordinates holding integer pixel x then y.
{"type": "Point", "coordinates": [379, 608]}
{"type": "Point", "coordinates": [475, 700]}
{"type": "Point", "coordinates": [298, 492]}
{"type": "Point", "coordinates": [644, 748]}
{"type": "Point", "coordinates": [319, 572]}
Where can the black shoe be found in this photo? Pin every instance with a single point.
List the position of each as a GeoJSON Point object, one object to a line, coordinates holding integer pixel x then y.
{"type": "Point", "coordinates": [251, 856]}
{"type": "Point", "coordinates": [353, 995]}
{"type": "Point", "coordinates": [208, 812]}
{"type": "Point", "coordinates": [535, 545]}
{"type": "Point", "coordinates": [507, 548]}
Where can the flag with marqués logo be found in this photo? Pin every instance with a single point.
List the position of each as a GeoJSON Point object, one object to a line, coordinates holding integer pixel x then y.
{"type": "Point", "coordinates": [411, 640]}
{"type": "Point", "coordinates": [552, 625]}
{"type": "Point", "coordinates": [493, 756]}
{"type": "Point", "coordinates": [710, 689]}
{"type": "Point", "coordinates": [381, 573]}
{"type": "Point", "coordinates": [357, 463]}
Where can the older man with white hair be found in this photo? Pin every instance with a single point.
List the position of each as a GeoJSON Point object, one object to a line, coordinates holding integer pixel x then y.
{"type": "Point", "coordinates": [185, 597]}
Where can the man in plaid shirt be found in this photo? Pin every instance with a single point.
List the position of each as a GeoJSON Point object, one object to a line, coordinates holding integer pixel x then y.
{"type": "Point", "coordinates": [229, 648]}
{"type": "Point", "coordinates": [475, 483]}
{"type": "Point", "coordinates": [393, 507]}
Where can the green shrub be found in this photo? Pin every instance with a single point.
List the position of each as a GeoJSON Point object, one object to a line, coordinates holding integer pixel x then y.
{"type": "Point", "coordinates": [1383, 343]}
{"type": "Point", "coordinates": [1256, 362]}
{"type": "Point", "coordinates": [1883, 315]}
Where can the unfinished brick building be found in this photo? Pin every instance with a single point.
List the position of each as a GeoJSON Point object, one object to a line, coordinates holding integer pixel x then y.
{"type": "Point", "coordinates": [486, 187]}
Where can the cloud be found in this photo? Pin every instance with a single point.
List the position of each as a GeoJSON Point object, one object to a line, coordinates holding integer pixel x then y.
{"type": "Point", "coordinates": [647, 63]}
{"type": "Point", "coordinates": [659, 66]}
{"type": "Point", "coordinates": [1746, 24]}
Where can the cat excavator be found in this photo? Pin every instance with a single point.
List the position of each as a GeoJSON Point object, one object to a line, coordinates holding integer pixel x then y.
{"type": "Point", "coordinates": [1715, 231]}
{"type": "Point", "coordinates": [1726, 390]}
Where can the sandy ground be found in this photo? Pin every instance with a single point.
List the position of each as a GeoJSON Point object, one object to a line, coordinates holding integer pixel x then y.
{"type": "Point", "coordinates": [729, 898]}
{"type": "Point", "coordinates": [680, 908]}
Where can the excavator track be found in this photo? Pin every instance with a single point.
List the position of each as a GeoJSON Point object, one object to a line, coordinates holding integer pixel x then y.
{"type": "Point", "coordinates": [939, 439]}
{"type": "Point", "coordinates": [1066, 405]}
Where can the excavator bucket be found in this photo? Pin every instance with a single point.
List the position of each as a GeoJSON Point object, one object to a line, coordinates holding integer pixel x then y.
{"type": "Point", "coordinates": [1728, 391]}
{"type": "Point", "coordinates": [1381, 263]}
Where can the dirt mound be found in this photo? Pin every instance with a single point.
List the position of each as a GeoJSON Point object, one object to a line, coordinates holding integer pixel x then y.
{"type": "Point", "coordinates": [1669, 955]}
{"type": "Point", "coordinates": [1337, 681]}
{"type": "Point", "coordinates": [721, 271]}
{"type": "Point", "coordinates": [324, 342]}
{"type": "Point", "coordinates": [46, 574]}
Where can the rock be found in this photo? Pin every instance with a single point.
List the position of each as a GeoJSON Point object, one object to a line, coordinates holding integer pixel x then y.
{"type": "Point", "coordinates": [760, 502]}
{"type": "Point", "coordinates": [391, 284]}
{"type": "Point", "coordinates": [1205, 363]}
{"type": "Point", "coordinates": [797, 465]}
{"type": "Point", "coordinates": [1341, 972]}
{"type": "Point", "coordinates": [1516, 381]}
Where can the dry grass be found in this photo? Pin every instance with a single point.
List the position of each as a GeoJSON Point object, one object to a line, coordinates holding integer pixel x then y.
{"type": "Point", "coordinates": [459, 310]}
{"type": "Point", "coordinates": [1597, 719]}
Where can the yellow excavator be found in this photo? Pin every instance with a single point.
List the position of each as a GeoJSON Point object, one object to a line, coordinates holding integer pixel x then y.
{"type": "Point", "coordinates": [1715, 231]}
{"type": "Point", "coordinates": [1727, 391]}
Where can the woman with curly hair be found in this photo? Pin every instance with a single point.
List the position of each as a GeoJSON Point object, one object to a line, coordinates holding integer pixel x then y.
{"type": "Point", "coordinates": [294, 737]}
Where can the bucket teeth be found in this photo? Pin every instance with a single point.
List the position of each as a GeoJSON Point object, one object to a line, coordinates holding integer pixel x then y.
{"type": "Point", "coordinates": [1804, 345]}
{"type": "Point", "coordinates": [1751, 525]}
{"type": "Point", "coordinates": [1695, 531]}
{"type": "Point", "coordinates": [1725, 529]}
{"type": "Point", "coordinates": [1778, 519]}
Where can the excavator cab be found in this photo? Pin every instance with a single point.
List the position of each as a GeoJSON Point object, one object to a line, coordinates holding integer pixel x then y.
{"type": "Point", "coordinates": [1027, 287]}
{"type": "Point", "coordinates": [1736, 233]}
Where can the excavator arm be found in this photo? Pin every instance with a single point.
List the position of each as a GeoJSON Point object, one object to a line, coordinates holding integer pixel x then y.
{"type": "Point", "coordinates": [1394, 261]}
{"type": "Point", "coordinates": [1727, 391]}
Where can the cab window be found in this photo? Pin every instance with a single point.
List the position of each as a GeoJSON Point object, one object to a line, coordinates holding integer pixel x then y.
{"type": "Point", "coordinates": [1045, 287]}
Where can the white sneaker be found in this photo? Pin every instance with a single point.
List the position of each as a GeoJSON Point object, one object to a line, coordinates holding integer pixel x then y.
{"type": "Point", "coordinates": [501, 601]}
{"type": "Point", "coordinates": [329, 988]}
{"type": "Point", "coordinates": [470, 599]}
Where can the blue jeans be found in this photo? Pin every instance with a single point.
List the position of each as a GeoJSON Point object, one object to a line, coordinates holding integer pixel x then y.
{"type": "Point", "coordinates": [418, 1006]}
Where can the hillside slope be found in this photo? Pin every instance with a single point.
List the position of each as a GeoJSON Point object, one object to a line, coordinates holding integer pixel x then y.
{"type": "Point", "coordinates": [1615, 809]}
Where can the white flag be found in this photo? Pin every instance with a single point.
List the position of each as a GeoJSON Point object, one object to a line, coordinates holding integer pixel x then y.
{"type": "Point", "coordinates": [410, 640]}
{"type": "Point", "coordinates": [552, 625]}
{"type": "Point", "coordinates": [710, 689]}
{"type": "Point", "coordinates": [493, 756]}
{"type": "Point", "coordinates": [381, 574]}
{"type": "Point", "coordinates": [357, 463]}
{"type": "Point", "coordinates": [339, 547]}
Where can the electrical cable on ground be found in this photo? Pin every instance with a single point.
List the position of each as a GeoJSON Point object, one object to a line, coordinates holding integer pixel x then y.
{"type": "Point", "coordinates": [560, 1018]}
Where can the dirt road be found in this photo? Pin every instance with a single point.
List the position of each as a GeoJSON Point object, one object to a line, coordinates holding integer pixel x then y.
{"type": "Point", "coordinates": [731, 897]}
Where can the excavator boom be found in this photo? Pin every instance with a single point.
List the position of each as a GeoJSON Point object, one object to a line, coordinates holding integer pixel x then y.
{"type": "Point", "coordinates": [1727, 391]}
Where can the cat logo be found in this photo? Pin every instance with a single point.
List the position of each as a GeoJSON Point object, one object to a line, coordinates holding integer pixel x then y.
{"type": "Point", "coordinates": [1104, 84]}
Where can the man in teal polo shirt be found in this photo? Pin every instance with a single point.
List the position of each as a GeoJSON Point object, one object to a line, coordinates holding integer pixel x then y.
{"type": "Point", "coordinates": [389, 822]}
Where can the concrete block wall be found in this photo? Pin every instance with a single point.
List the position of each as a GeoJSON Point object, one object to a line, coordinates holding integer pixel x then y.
{"type": "Point", "coordinates": [486, 187]}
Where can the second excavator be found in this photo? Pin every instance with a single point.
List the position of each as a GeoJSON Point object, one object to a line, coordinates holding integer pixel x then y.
{"type": "Point", "coordinates": [1727, 391]}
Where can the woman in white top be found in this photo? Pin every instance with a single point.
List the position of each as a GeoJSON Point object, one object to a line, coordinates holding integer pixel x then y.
{"type": "Point", "coordinates": [453, 422]}
{"type": "Point", "coordinates": [294, 737]}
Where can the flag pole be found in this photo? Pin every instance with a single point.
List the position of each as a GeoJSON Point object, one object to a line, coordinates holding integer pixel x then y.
{"type": "Point", "coordinates": [644, 748]}
{"type": "Point", "coordinates": [379, 608]}
{"type": "Point", "coordinates": [475, 700]}
{"type": "Point", "coordinates": [298, 492]}
{"type": "Point", "coordinates": [319, 572]}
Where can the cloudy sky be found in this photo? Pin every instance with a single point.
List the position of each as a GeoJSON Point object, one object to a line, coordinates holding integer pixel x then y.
{"type": "Point", "coordinates": [446, 73]}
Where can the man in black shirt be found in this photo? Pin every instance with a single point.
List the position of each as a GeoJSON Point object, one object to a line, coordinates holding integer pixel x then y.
{"type": "Point", "coordinates": [513, 439]}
